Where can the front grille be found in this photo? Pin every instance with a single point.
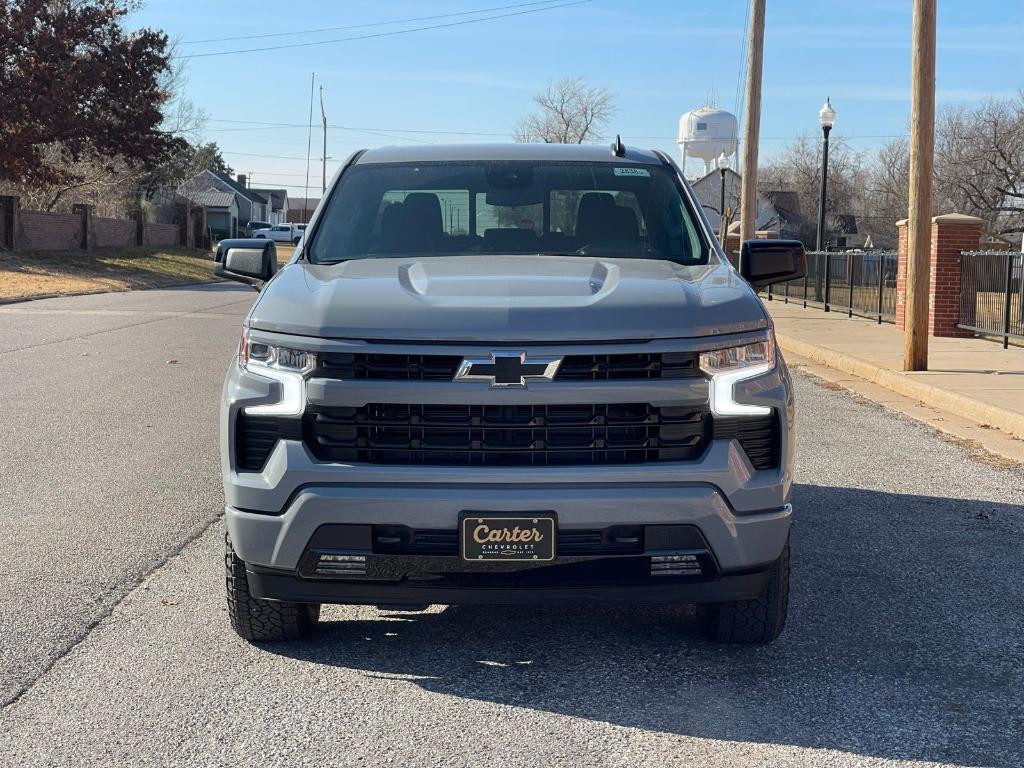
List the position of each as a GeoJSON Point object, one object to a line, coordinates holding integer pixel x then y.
{"type": "Point", "coordinates": [656, 365]}
{"type": "Point", "coordinates": [759, 435]}
{"type": "Point", "coordinates": [503, 435]}
{"type": "Point", "coordinates": [401, 540]}
{"type": "Point", "coordinates": [387, 367]}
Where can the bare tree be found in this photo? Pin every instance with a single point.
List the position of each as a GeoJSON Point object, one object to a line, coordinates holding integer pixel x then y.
{"type": "Point", "coordinates": [885, 197]}
{"type": "Point", "coordinates": [979, 170]}
{"type": "Point", "coordinates": [570, 112]}
{"type": "Point", "coordinates": [798, 169]}
{"type": "Point", "coordinates": [116, 184]}
{"type": "Point", "coordinates": [979, 162]}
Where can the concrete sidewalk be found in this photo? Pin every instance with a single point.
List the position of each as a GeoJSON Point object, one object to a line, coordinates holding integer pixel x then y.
{"type": "Point", "coordinates": [973, 378]}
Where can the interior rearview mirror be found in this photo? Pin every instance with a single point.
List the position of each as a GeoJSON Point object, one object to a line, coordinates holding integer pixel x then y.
{"type": "Point", "coordinates": [252, 261]}
{"type": "Point", "coordinates": [763, 262]}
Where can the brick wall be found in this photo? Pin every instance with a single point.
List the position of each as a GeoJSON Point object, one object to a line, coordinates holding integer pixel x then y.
{"type": "Point", "coordinates": [162, 234]}
{"type": "Point", "coordinates": [113, 232]}
{"type": "Point", "coordinates": [42, 231]}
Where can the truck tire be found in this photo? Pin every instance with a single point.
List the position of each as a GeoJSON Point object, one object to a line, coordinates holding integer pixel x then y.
{"type": "Point", "coordinates": [753, 621]}
{"type": "Point", "coordinates": [262, 620]}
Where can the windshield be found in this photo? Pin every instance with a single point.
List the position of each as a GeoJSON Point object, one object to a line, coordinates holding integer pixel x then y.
{"type": "Point", "coordinates": [502, 207]}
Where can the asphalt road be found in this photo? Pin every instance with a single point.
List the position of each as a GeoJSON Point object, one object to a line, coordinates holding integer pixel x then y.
{"type": "Point", "coordinates": [905, 644]}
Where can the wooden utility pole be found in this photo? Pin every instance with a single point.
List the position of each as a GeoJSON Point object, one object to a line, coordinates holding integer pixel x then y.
{"type": "Point", "coordinates": [752, 122]}
{"type": "Point", "coordinates": [922, 155]}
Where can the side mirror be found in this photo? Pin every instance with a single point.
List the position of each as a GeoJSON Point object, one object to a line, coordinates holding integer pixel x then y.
{"type": "Point", "coordinates": [252, 261]}
{"type": "Point", "coordinates": [763, 262]}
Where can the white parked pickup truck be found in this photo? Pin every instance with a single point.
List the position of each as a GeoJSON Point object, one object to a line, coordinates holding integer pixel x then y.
{"type": "Point", "coordinates": [282, 233]}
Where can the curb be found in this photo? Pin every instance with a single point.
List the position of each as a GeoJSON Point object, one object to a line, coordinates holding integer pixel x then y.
{"type": "Point", "coordinates": [901, 383]}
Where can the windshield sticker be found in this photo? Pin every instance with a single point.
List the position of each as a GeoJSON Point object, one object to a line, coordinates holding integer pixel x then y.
{"type": "Point", "coordinates": [631, 172]}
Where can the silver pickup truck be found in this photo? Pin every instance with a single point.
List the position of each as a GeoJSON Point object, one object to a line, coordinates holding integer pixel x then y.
{"type": "Point", "coordinates": [508, 374]}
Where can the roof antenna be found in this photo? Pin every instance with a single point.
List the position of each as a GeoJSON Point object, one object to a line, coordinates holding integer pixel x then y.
{"type": "Point", "coordinates": [617, 148]}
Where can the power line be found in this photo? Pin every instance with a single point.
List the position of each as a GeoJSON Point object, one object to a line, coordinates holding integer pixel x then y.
{"type": "Point", "coordinates": [372, 24]}
{"type": "Point", "coordinates": [741, 68]}
{"type": "Point", "coordinates": [354, 128]}
{"type": "Point", "coordinates": [393, 132]}
{"type": "Point", "coordinates": [382, 34]}
{"type": "Point", "coordinates": [277, 173]}
{"type": "Point", "coordinates": [257, 154]}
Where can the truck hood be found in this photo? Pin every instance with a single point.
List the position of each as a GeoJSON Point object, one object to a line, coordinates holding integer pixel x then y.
{"type": "Point", "coordinates": [507, 299]}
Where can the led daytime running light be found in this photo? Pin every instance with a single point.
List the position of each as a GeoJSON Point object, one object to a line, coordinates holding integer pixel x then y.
{"type": "Point", "coordinates": [731, 365]}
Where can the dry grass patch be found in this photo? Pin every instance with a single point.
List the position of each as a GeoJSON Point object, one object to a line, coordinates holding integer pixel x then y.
{"type": "Point", "coordinates": [33, 274]}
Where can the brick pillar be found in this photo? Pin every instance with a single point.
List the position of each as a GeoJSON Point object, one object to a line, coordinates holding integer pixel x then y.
{"type": "Point", "coordinates": [732, 248]}
{"type": "Point", "coordinates": [140, 227]}
{"type": "Point", "coordinates": [901, 274]}
{"type": "Point", "coordinates": [88, 236]}
{"type": "Point", "coordinates": [10, 210]}
{"type": "Point", "coordinates": [951, 233]}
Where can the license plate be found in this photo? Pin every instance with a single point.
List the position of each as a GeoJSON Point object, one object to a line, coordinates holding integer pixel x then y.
{"type": "Point", "coordinates": [508, 538]}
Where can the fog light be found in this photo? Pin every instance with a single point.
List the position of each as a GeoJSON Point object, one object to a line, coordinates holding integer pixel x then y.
{"type": "Point", "coordinates": [341, 565]}
{"type": "Point", "coordinates": [675, 565]}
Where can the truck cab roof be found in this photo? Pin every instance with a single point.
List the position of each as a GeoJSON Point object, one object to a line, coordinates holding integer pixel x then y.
{"type": "Point", "coordinates": [491, 152]}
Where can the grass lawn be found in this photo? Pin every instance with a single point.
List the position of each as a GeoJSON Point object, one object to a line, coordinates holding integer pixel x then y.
{"type": "Point", "coordinates": [31, 274]}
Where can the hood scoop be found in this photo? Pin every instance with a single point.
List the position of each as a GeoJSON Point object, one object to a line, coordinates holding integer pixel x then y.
{"type": "Point", "coordinates": [505, 277]}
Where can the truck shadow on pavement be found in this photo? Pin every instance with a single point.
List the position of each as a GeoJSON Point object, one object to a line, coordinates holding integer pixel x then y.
{"type": "Point", "coordinates": [905, 641]}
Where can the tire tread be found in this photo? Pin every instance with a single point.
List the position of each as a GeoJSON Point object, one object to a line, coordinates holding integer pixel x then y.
{"type": "Point", "coordinates": [262, 620]}
{"type": "Point", "coordinates": [760, 620]}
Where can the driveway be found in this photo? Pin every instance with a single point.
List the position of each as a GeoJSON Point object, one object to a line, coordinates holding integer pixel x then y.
{"type": "Point", "coordinates": [905, 644]}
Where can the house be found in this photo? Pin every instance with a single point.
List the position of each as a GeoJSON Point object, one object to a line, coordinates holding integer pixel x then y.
{"type": "Point", "coordinates": [221, 212]}
{"type": "Point", "coordinates": [841, 232]}
{"type": "Point", "coordinates": [788, 220]}
{"type": "Point", "coordinates": [301, 208]}
{"type": "Point", "coordinates": [251, 205]}
{"type": "Point", "coordinates": [278, 201]}
{"type": "Point", "coordinates": [708, 189]}
{"type": "Point", "coordinates": [1007, 241]}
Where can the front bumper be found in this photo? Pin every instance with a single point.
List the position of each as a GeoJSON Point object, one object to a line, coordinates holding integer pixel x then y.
{"type": "Point", "coordinates": [272, 515]}
{"type": "Point", "coordinates": [271, 585]}
{"type": "Point", "coordinates": [737, 541]}
{"type": "Point", "coordinates": [386, 565]}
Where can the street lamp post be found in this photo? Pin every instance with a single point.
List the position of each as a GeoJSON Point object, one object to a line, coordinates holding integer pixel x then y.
{"type": "Point", "coordinates": [723, 166]}
{"type": "Point", "coordinates": [827, 118]}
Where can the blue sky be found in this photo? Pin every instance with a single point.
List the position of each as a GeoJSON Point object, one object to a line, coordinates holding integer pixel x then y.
{"type": "Point", "coordinates": [659, 57]}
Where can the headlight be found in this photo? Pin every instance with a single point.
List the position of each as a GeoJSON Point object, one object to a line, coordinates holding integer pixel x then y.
{"type": "Point", "coordinates": [284, 365]}
{"type": "Point", "coordinates": [726, 367]}
{"type": "Point", "coordinates": [259, 355]}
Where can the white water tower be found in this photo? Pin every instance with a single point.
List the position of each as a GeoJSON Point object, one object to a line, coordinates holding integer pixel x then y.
{"type": "Point", "coordinates": [706, 133]}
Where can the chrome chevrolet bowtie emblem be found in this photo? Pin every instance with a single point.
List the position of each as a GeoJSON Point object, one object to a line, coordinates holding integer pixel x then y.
{"type": "Point", "coordinates": [508, 369]}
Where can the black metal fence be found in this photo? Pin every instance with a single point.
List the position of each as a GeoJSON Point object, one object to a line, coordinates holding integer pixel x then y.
{"type": "Point", "coordinates": [991, 300]}
{"type": "Point", "coordinates": [855, 282]}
